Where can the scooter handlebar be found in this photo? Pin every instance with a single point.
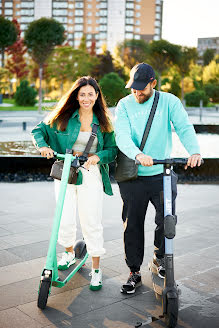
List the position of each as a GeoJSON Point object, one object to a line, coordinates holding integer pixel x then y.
{"type": "Point", "coordinates": [81, 159]}
{"type": "Point", "coordinates": [171, 161]}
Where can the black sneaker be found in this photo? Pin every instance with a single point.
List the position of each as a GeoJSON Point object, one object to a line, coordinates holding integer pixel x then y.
{"type": "Point", "coordinates": [159, 263]}
{"type": "Point", "coordinates": [133, 281]}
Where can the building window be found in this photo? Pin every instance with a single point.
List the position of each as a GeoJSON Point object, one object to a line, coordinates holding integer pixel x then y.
{"type": "Point", "coordinates": [129, 21]}
{"type": "Point", "coordinates": [137, 22]}
{"type": "Point", "coordinates": [137, 37]}
{"type": "Point", "coordinates": [8, 12]}
{"type": "Point", "coordinates": [157, 16]}
{"type": "Point", "coordinates": [70, 21]}
{"type": "Point", "coordinates": [78, 35]}
{"type": "Point", "coordinates": [137, 30]}
{"type": "Point", "coordinates": [138, 7]}
{"type": "Point", "coordinates": [70, 6]}
{"type": "Point", "coordinates": [138, 14]}
{"type": "Point", "coordinates": [89, 36]}
{"type": "Point", "coordinates": [26, 4]}
{"type": "Point", "coordinates": [157, 30]}
{"type": "Point", "coordinates": [103, 5]}
{"type": "Point", "coordinates": [79, 19]}
{"type": "Point", "coordinates": [26, 19]}
{"type": "Point", "coordinates": [103, 12]}
{"type": "Point", "coordinates": [129, 28]}
{"type": "Point", "coordinates": [102, 35]}
{"type": "Point", "coordinates": [157, 23]}
{"type": "Point", "coordinates": [28, 12]}
{"type": "Point", "coordinates": [8, 4]}
{"type": "Point", "coordinates": [79, 5]}
{"type": "Point", "coordinates": [77, 43]}
{"type": "Point", "coordinates": [103, 20]}
{"type": "Point", "coordinates": [89, 29]}
{"type": "Point", "coordinates": [70, 28]}
{"type": "Point", "coordinates": [89, 6]}
{"type": "Point", "coordinates": [60, 12]}
{"type": "Point", "coordinates": [88, 43]}
{"type": "Point", "coordinates": [156, 37]}
{"type": "Point", "coordinates": [61, 19]}
{"type": "Point", "coordinates": [57, 4]}
{"type": "Point", "coordinates": [89, 13]}
{"type": "Point", "coordinates": [129, 13]}
{"type": "Point", "coordinates": [79, 12]}
{"type": "Point", "coordinates": [78, 27]}
{"type": "Point", "coordinates": [129, 35]}
{"type": "Point", "coordinates": [18, 5]}
{"type": "Point", "coordinates": [130, 5]}
{"type": "Point", "coordinates": [158, 9]}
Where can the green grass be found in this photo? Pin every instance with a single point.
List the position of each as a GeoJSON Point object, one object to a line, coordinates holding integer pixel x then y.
{"type": "Point", "coordinates": [18, 108]}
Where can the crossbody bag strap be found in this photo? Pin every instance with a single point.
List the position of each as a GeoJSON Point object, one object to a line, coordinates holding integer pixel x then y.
{"type": "Point", "coordinates": [91, 140]}
{"type": "Point", "coordinates": [150, 120]}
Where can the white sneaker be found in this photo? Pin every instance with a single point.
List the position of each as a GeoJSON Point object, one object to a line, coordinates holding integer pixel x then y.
{"type": "Point", "coordinates": [96, 280]}
{"type": "Point", "coordinates": [66, 261]}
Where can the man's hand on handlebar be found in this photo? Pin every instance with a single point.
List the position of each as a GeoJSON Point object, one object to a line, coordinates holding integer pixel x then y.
{"type": "Point", "coordinates": [92, 160]}
{"type": "Point", "coordinates": [144, 159]}
{"type": "Point", "coordinates": [46, 152]}
{"type": "Point", "coordinates": [194, 160]}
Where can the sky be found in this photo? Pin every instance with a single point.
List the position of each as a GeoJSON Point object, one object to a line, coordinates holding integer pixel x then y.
{"type": "Point", "coordinates": [184, 21]}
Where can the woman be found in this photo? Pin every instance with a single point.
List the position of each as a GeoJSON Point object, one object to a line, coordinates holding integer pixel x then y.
{"type": "Point", "coordinates": [70, 126]}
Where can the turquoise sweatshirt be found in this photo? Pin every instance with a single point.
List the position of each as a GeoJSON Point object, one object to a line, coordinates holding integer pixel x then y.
{"type": "Point", "coordinates": [130, 121]}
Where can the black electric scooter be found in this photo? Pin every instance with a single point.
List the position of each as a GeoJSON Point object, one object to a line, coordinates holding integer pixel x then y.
{"type": "Point", "coordinates": [166, 287]}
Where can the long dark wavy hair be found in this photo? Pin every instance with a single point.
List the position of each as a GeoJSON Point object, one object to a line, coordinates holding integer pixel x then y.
{"type": "Point", "coordinates": [69, 104]}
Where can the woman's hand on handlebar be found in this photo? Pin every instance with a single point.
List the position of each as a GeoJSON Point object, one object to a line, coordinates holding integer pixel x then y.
{"type": "Point", "coordinates": [92, 160]}
{"type": "Point", "coordinates": [193, 161]}
{"type": "Point", "coordinates": [144, 159]}
{"type": "Point", "coordinates": [46, 152]}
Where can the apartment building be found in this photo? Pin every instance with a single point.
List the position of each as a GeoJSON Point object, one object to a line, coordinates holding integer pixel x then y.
{"type": "Point", "coordinates": [102, 21]}
{"type": "Point", "coordinates": [208, 43]}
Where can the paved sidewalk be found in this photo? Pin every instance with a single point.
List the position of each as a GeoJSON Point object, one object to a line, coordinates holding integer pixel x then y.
{"type": "Point", "coordinates": [26, 216]}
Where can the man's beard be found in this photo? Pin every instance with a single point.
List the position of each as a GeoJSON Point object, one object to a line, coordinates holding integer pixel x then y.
{"type": "Point", "coordinates": [143, 97]}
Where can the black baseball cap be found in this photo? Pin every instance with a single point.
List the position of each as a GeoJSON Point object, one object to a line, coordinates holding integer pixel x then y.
{"type": "Point", "coordinates": [140, 75]}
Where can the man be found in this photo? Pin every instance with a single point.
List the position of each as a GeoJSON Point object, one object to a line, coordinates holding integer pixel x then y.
{"type": "Point", "coordinates": [132, 113]}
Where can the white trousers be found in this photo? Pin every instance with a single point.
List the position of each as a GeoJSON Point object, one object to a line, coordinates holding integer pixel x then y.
{"type": "Point", "coordinates": [88, 198]}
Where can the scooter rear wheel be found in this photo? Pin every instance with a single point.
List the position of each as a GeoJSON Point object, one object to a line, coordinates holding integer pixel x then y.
{"type": "Point", "coordinates": [43, 294]}
{"type": "Point", "coordinates": [172, 312]}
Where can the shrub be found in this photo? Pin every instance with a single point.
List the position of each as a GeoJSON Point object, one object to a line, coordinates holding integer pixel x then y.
{"type": "Point", "coordinates": [212, 91]}
{"type": "Point", "coordinates": [25, 95]}
{"type": "Point", "coordinates": [113, 88]}
{"type": "Point", "coordinates": [193, 98]}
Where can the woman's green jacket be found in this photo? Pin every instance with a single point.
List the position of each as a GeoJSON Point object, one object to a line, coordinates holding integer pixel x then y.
{"type": "Point", "coordinates": [45, 136]}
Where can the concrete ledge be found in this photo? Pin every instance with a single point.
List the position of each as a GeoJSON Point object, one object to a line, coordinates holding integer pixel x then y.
{"type": "Point", "coordinates": [36, 168]}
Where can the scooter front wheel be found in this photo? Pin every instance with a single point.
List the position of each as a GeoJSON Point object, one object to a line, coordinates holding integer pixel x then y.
{"type": "Point", "coordinates": [172, 312]}
{"type": "Point", "coordinates": [43, 294]}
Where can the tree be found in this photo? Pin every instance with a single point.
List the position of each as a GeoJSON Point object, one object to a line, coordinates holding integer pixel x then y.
{"type": "Point", "coordinates": [25, 95]}
{"type": "Point", "coordinates": [8, 35]}
{"type": "Point", "coordinates": [211, 73]}
{"type": "Point", "coordinates": [193, 98]}
{"type": "Point", "coordinates": [163, 54]}
{"type": "Point", "coordinates": [208, 56]}
{"type": "Point", "coordinates": [187, 56]}
{"type": "Point", "coordinates": [132, 52]}
{"type": "Point", "coordinates": [41, 37]}
{"type": "Point", "coordinates": [16, 62]}
{"type": "Point", "coordinates": [103, 66]}
{"type": "Point", "coordinates": [113, 88]}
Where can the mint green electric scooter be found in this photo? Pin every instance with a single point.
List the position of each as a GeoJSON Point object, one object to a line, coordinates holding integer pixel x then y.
{"type": "Point", "coordinates": [50, 275]}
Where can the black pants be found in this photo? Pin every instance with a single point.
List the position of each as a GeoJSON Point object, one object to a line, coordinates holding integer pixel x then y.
{"type": "Point", "coordinates": [136, 196]}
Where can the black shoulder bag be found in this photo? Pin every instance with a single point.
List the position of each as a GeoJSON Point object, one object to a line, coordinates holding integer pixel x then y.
{"type": "Point", "coordinates": [57, 167]}
{"type": "Point", "coordinates": [126, 169]}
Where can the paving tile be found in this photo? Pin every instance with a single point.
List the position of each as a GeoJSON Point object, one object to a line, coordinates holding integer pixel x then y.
{"type": "Point", "coordinates": [32, 251]}
{"type": "Point", "coordinates": [18, 293]}
{"type": "Point", "coordinates": [7, 258]}
{"type": "Point", "coordinates": [4, 232]}
{"type": "Point", "coordinates": [201, 317]}
{"type": "Point", "coordinates": [4, 244]}
{"type": "Point", "coordinates": [27, 237]}
{"type": "Point", "coordinates": [17, 227]}
{"type": "Point", "coordinates": [21, 271]}
{"type": "Point", "coordinates": [14, 318]}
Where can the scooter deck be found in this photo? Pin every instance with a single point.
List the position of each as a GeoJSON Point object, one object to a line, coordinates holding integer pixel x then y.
{"type": "Point", "coordinates": [64, 274]}
{"type": "Point", "coordinates": [158, 283]}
